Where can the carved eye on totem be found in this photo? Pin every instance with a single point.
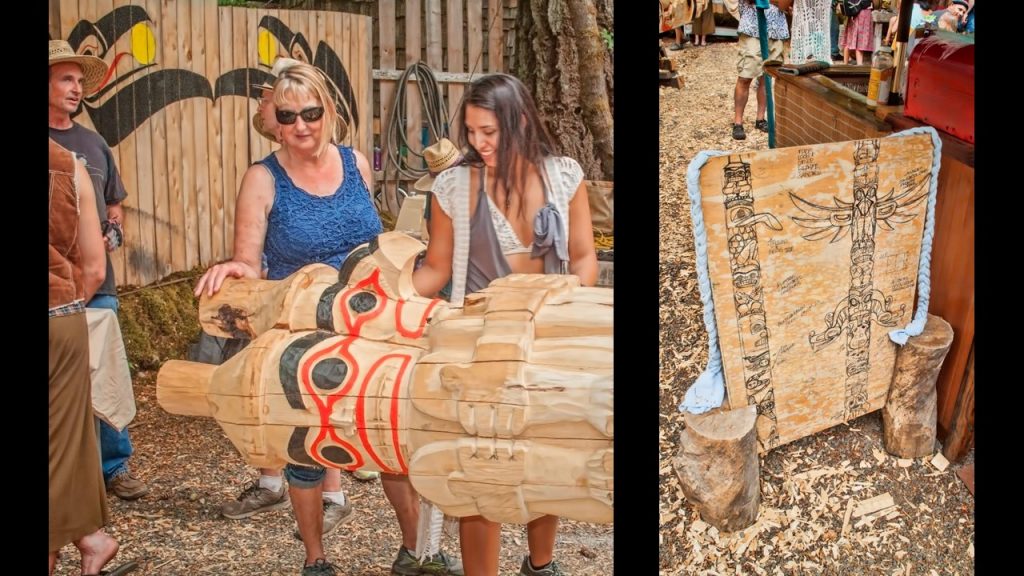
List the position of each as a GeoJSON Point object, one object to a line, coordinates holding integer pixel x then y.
{"type": "Point", "coordinates": [329, 373]}
{"type": "Point", "coordinates": [325, 449]}
{"type": "Point", "coordinates": [363, 302]}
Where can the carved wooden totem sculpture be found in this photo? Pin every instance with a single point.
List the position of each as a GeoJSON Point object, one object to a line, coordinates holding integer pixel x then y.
{"type": "Point", "coordinates": [501, 408]}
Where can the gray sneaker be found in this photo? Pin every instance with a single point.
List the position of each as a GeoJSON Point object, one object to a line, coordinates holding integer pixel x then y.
{"type": "Point", "coordinates": [440, 564]}
{"type": "Point", "coordinates": [254, 500]}
{"type": "Point", "coordinates": [552, 569]}
{"type": "Point", "coordinates": [319, 568]}
{"type": "Point", "coordinates": [334, 515]}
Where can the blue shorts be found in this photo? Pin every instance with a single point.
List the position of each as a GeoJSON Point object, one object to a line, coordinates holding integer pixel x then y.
{"type": "Point", "coordinates": [304, 476]}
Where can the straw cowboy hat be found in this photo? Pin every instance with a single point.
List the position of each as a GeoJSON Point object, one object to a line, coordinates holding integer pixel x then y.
{"type": "Point", "coordinates": [440, 157]}
{"type": "Point", "coordinates": [93, 68]}
{"type": "Point", "coordinates": [280, 65]}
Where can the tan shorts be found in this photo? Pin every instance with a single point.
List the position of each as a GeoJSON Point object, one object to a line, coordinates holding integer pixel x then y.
{"type": "Point", "coordinates": [749, 65]}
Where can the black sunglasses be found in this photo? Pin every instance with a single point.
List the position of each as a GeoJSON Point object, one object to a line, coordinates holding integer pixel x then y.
{"type": "Point", "coordinates": [288, 117]}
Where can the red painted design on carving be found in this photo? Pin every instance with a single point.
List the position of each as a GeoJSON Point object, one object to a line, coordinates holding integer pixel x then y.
{"type": "Point", "coordinates": [361, 412]}
{"type": "Point", "coordinates": [355, 325]}
{"type": "Point", "coordinates": [422, 323]}
{"type": "Point", "coordinates": [324, 405]}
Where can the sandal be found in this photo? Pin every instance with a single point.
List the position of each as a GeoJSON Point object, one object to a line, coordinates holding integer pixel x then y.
{"type": "Point", "coordinates": [738, 133]}
{"type": "Point", "coordinates": [676, 46]}
{"type": "Point", "coordinates": [121, 570]}
{"type": "Point", "coordinates": [761, 125]}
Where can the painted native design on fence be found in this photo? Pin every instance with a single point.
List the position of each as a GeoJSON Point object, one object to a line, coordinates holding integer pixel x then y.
{"type": "Point", "coordinates": [131, 94]}
{"type": "Point", "coordinates": [126, 99]}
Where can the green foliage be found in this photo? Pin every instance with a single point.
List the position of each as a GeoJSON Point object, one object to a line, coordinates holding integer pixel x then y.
{"type": "Point", "coordinates": [160, 323]}
{"type": "Point", "coordinates": [609, 39]}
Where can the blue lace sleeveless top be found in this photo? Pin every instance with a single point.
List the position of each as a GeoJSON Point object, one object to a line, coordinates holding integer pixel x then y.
{"type": "Point", "coordinates": [303, 229]}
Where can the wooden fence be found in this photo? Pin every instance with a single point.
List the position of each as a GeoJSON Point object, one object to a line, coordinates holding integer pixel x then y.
{"type": "Point", "coordinates": [176, 109]}
{"type": "Point", "coordinates": [459, 40]}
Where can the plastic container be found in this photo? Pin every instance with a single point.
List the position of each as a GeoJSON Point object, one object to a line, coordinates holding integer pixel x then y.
{"type": "Point", "coordinates": [880, 83]}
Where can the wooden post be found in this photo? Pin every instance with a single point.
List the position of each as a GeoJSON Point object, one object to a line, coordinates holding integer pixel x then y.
{"type": "Point", "coordinates": [909, 413]}
{"type": "Point", "coordinates": [961, 429]}
{"type": "Point", "coordinates": [718, 467]}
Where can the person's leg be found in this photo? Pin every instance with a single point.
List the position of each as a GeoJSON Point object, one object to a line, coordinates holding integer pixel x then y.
{"type": "Point", "coordinates": [332, 480]}
{"type": "Point", "coordinates": [540, 536]}
{"type": "Point", "coordinates": [115, 450]}
{"type": "Point", "coordinates": [406, 503]}
{"type": "Point", "coordinates": [762, 100]}
{"type": "Point", "coordinates": [740, 97]}
{"type": "Point", "coordinates": [274, 472]}
{"type": "Point", "coordinates": [481, 541]}
{"type": "Point", "coordinates": [679, 39]}
{"type": "Point", "coordinates": [860, 57]}
{"type": "Point", "coordinates": [305, 486]}
{"type": "Point", "coordinates": [834, 31]}
{"type": "Point", "coordinates": [337, 508]}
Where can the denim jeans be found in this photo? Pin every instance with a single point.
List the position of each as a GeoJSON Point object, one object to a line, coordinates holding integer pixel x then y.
{"type": "Point", "coordinates": [834, 30]}
{"type": "Point", "coordinates": [304, 476]}
{"type": "Point", "coordinates": [115, 447]}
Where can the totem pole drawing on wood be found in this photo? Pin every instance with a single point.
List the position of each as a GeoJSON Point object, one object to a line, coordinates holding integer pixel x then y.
{"type": "Point", "coordinates": [741, 220]}
{"type": "Point", "coordinates": [863, 303]}
{"type": "Point", "coordinates": [772, 282]}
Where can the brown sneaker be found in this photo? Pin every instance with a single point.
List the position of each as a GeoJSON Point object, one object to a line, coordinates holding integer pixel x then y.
{"type": "Point", "coordinates": [127, 487]}
{"type": "Point", "coordinates": [254, 500]}
{"type": "Point", "coordinates": [334, 515]}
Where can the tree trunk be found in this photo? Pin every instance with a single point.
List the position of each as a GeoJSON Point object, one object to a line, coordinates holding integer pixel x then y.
{"type": "Point", "coordinates": [564, 62]}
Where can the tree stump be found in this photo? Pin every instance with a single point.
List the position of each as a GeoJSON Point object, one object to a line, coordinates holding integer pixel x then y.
{"type": "Point", "coordinates": [718, 467]}
{"type": "Point", "coordinates": [909, 414]}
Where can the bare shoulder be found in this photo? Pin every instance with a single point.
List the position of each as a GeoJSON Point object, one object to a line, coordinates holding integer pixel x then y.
{"type": "Point", "coordinates": [360, 159]}
{"type": "Point", "coordinates": [257, 183]}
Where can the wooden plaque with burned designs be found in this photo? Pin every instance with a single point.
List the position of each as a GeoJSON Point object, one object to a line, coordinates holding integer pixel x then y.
{"type": "Point", "coordinates": [813, 256]}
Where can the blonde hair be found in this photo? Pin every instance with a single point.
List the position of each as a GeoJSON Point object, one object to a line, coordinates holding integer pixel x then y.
{"type": "Point", "coordinates": [302, 81]}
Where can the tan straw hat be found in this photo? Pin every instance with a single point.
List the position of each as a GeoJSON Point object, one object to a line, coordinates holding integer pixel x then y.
{"type": "Point", "coordinates": [93, 68]}
{"type": "Point", "coordinates": [440, 157]}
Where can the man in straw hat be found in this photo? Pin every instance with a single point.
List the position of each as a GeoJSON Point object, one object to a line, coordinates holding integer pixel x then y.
{"type": "Point", "coordinates": [439, 157]}
{"type": "Point", "coordinates": [77, 507]}
{"type": "Point", "coordinates": [72, 77]}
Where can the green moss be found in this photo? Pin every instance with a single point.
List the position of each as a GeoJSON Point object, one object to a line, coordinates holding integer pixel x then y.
{"type": "Point", "coordinates": [159, 322]}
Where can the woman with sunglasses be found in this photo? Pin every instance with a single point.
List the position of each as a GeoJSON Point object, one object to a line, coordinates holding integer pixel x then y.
{"type": "Point", "coordinates": [308, 202]}
{"type": "Point", "coordinates": [513, 206]}
{"type": "Point", "coordinates": [269, 493]}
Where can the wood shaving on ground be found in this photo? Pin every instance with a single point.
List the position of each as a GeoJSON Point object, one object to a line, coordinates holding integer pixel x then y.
{"type": "Point", "coordinates": [811, 487]}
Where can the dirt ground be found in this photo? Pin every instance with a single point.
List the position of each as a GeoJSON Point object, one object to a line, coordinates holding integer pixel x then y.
{"type": "Point", "coordinates": [807, 485]}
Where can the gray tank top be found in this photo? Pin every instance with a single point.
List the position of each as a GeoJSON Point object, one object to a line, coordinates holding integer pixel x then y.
{"type": "Point", "coordinates": [486, 260]}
